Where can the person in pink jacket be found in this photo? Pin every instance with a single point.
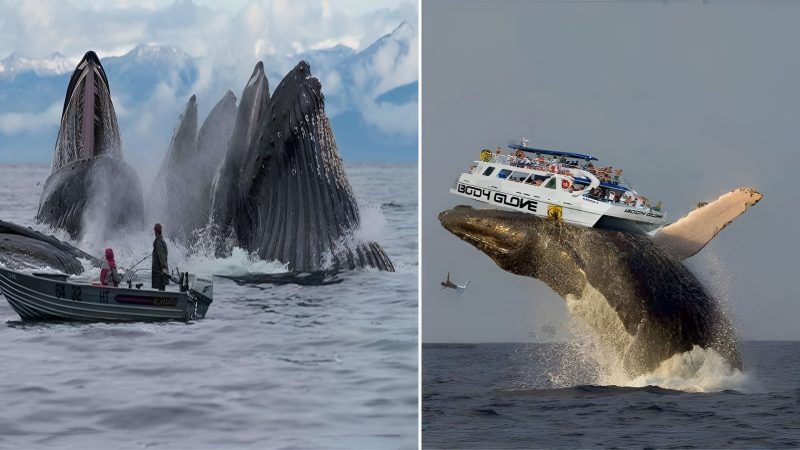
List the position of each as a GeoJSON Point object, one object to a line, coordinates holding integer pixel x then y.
{"type": "Point", "coordinates": [108, 270]}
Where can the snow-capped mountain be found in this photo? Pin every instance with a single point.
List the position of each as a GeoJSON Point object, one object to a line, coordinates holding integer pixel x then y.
{"type": "Point", "coordinates": [150, 85]}
{"type": "Point", "coordinates": [55, 64]}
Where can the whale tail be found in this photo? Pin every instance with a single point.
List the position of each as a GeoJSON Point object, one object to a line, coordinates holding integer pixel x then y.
{"type": "Point", "coordinates": [684, 238]}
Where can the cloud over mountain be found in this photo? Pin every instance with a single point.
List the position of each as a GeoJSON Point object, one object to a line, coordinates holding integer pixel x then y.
{"type": "Point", "coordinates": [157, 57]}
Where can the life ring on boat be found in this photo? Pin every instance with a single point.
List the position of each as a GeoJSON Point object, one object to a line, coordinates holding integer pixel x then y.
{"type": "Point", "coordinates": [554, 212]}
{"type": "Point", "coordinates": [565, 184]}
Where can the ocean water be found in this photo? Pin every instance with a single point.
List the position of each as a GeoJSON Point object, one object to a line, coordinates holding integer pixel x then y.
{"type": "Point", "coordinates": [539, 396]}
{"type": "Point", "coordinates": [286, 366]}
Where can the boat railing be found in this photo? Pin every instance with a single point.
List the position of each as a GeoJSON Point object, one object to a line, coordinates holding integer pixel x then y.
{"type": "Point", "coordinates": [621, 203]}
{"type": "Point", "coordinates": [545, 166]}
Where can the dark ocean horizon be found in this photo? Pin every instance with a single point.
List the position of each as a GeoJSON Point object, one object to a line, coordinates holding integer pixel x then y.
{"type": "Point", "coordinates": [549, 395]}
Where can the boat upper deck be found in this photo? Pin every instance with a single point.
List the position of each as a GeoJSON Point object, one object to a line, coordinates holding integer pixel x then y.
{"type": "Point", "coordinates": [611, 188]}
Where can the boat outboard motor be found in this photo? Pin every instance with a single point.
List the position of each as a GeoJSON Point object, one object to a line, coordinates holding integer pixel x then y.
{"type": "Point", "coordinates": [201, 290]}
{"type": "Point", "coordinates": [183, 281]}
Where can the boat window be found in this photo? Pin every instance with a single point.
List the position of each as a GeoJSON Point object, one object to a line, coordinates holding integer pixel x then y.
{"type": "Point", "coordinates": [518, 176]}
{"type": "Point", "coordinates": [537, 180]}
{"type": "Point", "coordinates": [503, 174]}
{"type": "Point", "coordinates": [488, 171]}
{"type": "Point", "coordinates": [551, 184]}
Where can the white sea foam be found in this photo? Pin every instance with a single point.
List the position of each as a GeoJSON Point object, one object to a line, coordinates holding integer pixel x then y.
{"type": "Point", "coordinates": [239, 263]}
{"type": "Point", "coordinates": [131, 248]}
{"type": "Point", "coordinates": [698, 370]}
{"type": "Point", "coordinates": [373, 223]}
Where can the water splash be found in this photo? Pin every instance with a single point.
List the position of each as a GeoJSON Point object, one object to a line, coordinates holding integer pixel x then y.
{"type": "Point", "coordinates": [239, 263]}
{"type": "Point", "coordinates": [698, 370]}
{"type": "Point", "coordinates": [603, 357]}
{"type": "Point", "coordinates": [373, 223]}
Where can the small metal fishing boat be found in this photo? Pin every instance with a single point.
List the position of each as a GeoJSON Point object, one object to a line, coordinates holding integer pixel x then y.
{"type": "Point", "coordinates": [48, 296]}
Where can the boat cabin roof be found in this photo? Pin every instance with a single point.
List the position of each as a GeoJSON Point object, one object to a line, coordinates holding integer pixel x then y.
{"type": "Point", "coordinates": [614, 186]}
{"type": "Point", "coordinates": [553, 152]}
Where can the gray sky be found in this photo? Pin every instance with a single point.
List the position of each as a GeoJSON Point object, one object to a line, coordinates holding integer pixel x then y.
{"type": "Point", "coordinates": [691, 99]}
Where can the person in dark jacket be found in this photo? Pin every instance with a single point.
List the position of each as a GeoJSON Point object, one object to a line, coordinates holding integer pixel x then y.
{"type": "Point", "coordinates": [160, 269]}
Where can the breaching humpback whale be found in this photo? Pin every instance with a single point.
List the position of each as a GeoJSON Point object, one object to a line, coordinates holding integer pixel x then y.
{"type": "Point", "coordinates": [282, 191]}
{"type": "Point", "coordinates": [630, 289]}
{"type": "Point", "coordinates": [90, 183]}
{"type": "Point", "coordinates": [22, 248]}
{"type": "Point", "coordinates": [182, 189]}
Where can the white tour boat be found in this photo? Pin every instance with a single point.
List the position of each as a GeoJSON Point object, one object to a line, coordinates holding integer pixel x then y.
{"type": "Point", "coordinates": [560, 185]}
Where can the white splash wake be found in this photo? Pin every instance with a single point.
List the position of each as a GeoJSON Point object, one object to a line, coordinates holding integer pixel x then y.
{"type": "Point", "coordinates": [697, 370]}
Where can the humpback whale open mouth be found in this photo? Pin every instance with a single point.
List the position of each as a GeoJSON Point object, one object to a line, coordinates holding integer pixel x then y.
{"type": "Point", "coordinates": [637, 297]}
{"type": "Point", "coordinates": [88, 123]}
{"type": "Point", "coordinates": [90, 184]}
{"type": "Point", "coordinates": [282, 190]}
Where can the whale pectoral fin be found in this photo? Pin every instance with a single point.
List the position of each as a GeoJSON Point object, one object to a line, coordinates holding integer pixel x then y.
{"type": "Point", "coordinates": [691, 233]}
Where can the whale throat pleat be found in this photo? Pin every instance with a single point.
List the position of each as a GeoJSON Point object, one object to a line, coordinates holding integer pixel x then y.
{"type": "Point", "coordinates": [292, 201]}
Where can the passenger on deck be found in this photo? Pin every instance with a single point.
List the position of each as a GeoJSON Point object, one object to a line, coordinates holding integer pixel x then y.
{"type": "Point", "coordinates": [617, 175]}
{"type": "Point", "coordinates": [160, 269]}
{"type": "Point", "coordinates": [108, 270]}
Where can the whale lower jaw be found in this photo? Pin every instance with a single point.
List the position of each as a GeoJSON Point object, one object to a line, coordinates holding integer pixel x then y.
{"type": "Point", "coordinates": [101, 194]}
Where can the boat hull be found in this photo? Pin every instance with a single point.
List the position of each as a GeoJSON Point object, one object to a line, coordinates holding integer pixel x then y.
{"type": "Point", "coordinates": [556, 201]}
{"type": "Point", "coordinates": [538, 205]}
{"type": "Point", "coordinates": [51, 297]}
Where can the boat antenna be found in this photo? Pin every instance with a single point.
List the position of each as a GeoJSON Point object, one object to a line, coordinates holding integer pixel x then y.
{"type": "Point", "coordinates": [628, 183]}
